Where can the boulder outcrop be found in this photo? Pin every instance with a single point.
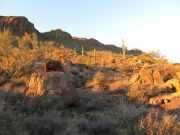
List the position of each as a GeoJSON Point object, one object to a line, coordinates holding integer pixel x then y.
{"type": "Point", "coordinates": [53, 65]}
{"type": "Point", "coordinates": [148, 76]}
{"type": "Point", "coordinates": [54, 83]}
{"type": "Point", "coordinates": [174, 84]}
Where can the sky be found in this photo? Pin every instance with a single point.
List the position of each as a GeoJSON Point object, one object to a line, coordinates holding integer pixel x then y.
{"type": "Point", "coordinates": [144, 24]}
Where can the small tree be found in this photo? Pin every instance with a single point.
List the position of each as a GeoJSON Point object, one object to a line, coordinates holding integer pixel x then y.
{"type": "Point", "coordinates": [123, 49]}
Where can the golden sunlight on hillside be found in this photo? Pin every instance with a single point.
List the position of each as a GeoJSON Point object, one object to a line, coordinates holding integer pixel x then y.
{"type": "Point", "coordinates": [47, 88]}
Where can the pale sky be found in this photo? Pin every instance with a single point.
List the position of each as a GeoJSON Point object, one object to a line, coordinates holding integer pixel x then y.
{"type": "Point", "coordinates": [144, 24]}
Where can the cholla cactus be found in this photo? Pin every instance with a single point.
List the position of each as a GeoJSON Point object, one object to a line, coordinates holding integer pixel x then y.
{"type": "Point", "coordinates": [123, 49]}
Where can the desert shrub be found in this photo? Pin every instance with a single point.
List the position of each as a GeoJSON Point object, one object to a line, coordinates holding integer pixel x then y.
{"type": "Point", "coordinates": [167, 70]}
{"type": "Point", "coordinates": [16, 53]}
{"type": "Point", "coordinates": [29, 105]}
{"type": "Point", "coordinates": [14, 42]}
{"type": "Point", "coordinates": [29, 41]}
{"type": "Point", "coordinates": [145, 58]}
{"type": "Point", "coordinates": [100, 124]}
{"type": "Point", "coordinates": [142, 92]}
{"type": "Point", "coordinates": [15, 61]}
{"type": "Point", "coordinates": [39, 104]}
{"type": "Point", "coordinates": [137, 92]}
{"type": "Point", "coordinates": [75, 127]}
{"type": "Point", "coordinates": [126, 68]}
{"type": "Point", "coordinates": [117, 86]}
{"type": "Point", "coordinates": [128, 116]}
{"type": "Point", "coordinates": [11, 98]}
{"type": "Point", "coordinates": [7, 124]}
{"type": "Point", "coordinates": [28, 45]}
{"type": "Point", "coordinates": [156, 55]}
{"type": "Point", "coordinates": [98, 83]}
{"type": "Point", "coordinates": [43, 125]}
{"type": "Point", "coordinates": [99, 79]}
{"type": "Point", "coordinates": [95, 103]}
{"type": "Point", "coordinates": [153, 124]}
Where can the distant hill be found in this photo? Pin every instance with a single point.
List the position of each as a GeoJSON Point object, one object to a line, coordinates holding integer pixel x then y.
{"type": "Point", "coordinates": [19, 25]}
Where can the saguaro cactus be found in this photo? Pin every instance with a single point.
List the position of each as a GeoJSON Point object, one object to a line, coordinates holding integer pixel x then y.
{"type": "Point", "coordinates": [123, 49]}
{"type": "Point", "coordinates": [82, 54]}
{"type": "Point", "coordinates": [82, 51]}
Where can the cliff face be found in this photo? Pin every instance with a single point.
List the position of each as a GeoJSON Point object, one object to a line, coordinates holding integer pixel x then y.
{"type": "Point", "coordinates": [17, 25]}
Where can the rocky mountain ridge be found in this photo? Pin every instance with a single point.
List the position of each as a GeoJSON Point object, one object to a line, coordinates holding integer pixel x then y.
{"type": "Point", "coordinates": [19, 25]}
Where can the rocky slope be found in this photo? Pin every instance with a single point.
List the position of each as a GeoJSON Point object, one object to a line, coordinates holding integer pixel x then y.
{"type": "Point", "coordinates": [18, 25]}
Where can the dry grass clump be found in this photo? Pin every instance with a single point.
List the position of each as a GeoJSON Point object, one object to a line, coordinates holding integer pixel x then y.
{"type": "Point", "coordinates": [137, 92]}
{"type": "Point", "coordinates": [116, 86]}
{"type": "Point", "coordinates": [99, 78]}
{"type": "Point", "coordinates": [153, 124]}
{"type": "Point", "coordinates": [98, 82]}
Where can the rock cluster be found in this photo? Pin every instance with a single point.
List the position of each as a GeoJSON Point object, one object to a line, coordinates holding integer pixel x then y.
{"type": "Point", "coordinates": [174, 84]}
{"type": "Point", "coordinates": [53, 83]}
{"type": "Point", "coordinates": [148, 76]}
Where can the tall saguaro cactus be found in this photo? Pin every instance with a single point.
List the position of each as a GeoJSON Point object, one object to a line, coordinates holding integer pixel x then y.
{"type": "Point", "coordinates": [82, 51]}
{"type": "Point", "coordinates": [123, 49]}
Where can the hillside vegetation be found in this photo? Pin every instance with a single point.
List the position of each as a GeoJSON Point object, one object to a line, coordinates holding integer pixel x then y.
{"type": "Point", "coordinates": [47, 88]}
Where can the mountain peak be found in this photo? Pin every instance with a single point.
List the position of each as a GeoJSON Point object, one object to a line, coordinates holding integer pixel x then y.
{"type": "Point", "coordinates": [18, 25]}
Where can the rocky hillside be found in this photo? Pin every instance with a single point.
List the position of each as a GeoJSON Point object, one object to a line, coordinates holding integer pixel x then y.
{"type": "Point", "coordinates": [19, 25]}
{"type": "Point", "coordinates": [50, 90]}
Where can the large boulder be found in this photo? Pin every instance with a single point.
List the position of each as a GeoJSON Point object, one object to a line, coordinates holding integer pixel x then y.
{"type": "Point", "coordinates": [53, 65]}
{"type": "Point", "coordinates": [53, 84]}
{"type": "Point", "coordinates": [157, 78]}
{"type": "Point", "coordinates": [146, 76]}
{"type": "Point", "coordinates": [150, 76]}
{"type": "Point", "coordinates": [174, 83]}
